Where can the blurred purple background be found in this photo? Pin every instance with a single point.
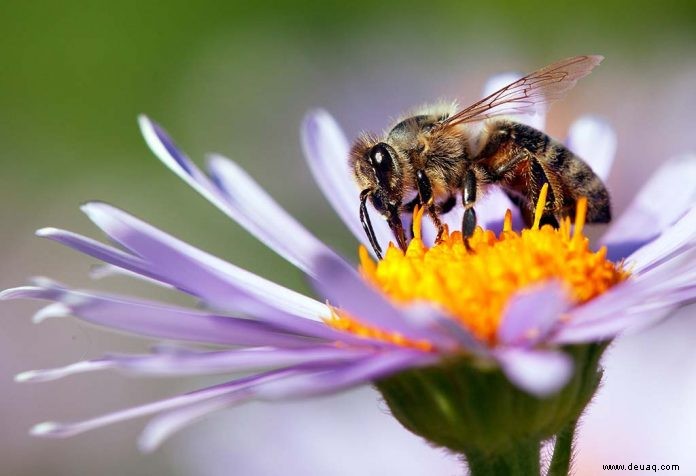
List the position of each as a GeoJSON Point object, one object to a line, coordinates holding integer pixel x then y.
{"type": "Point", "coordinates": [237, 80]}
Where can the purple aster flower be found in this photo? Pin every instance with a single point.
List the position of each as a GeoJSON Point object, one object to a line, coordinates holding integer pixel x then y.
{"type": "Point", "coordinates": [544, 337]}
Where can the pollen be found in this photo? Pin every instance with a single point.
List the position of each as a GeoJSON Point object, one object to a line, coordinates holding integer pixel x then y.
{"type": "Point", "coordinates": [474, 283]}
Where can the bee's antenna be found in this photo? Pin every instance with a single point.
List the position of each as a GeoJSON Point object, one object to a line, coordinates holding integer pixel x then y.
{"type": "Point", "coordinates": [367, 224]}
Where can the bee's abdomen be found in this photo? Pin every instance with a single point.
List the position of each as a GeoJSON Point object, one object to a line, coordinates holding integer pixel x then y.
{"type": "Point", "coordinates": [521, 159]}
{"type": "Point", "coordinates": [577, 180]}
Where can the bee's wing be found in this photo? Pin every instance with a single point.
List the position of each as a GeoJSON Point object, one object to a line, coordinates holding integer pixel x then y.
{"type": "Point", "coordinates": [530, 94]}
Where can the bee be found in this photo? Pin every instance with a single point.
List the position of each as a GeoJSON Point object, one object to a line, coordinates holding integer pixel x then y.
{"type": "Point", "coordinates": [438, 154]}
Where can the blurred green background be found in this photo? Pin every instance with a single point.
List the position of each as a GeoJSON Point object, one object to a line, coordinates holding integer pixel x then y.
{"type": "Point", "coordinates": [236, 78]}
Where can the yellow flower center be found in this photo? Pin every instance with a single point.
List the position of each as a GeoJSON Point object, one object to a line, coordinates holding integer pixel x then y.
{"type": "Point", "coordinates": [474, 285]}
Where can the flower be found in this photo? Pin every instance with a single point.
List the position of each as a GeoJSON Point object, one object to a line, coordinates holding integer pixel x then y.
{"type": "Point", "coordinates": [545, 329]}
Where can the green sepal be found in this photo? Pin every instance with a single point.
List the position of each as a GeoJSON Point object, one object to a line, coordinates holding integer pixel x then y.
{"type": "Point", "coordinates": [474, 410]}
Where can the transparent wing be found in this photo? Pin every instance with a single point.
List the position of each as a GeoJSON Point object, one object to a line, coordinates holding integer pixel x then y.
{"type": "Point", "coordinates": [530, 94]}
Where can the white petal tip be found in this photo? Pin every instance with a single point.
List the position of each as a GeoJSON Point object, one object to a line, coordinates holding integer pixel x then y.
{"type": "Point", "coordinates": [27, 376]}
{"type": "Point", "coordinates": [100, 271]}
{"type": "Point", "coordinates": [316, 113]}
{"type": "Point", "coordinates": [218, 164]}
{"type": "Point", "coordinates": [89, 207]}
{"type": "Point", "coordinates": [45, 282]}
{"type": "Point", "coordinates": [51, 311]}
{"type": "Point", "coordinates": [34, 376]}
{"type": "Point", "coordinates": [12, 293]}
{"type": "Point", "coordinates": [46, 375]}
{"type": "Point", "coordinates": [593, 139]}
{"type": "Point", "coordinates": [540, 373]}
{"type": "Point", "coordinates": [148, 443]}
{"type": "Point", "coordinates": [316, 119]}
{"type": "Point", "coordinates": [214, 159]}
{"type": "Point", "coordinates": [144, 122]}
{"type": "Point", "coordinates": [49, 429]}
{"type": "Point", "coordinates": [45, 232]}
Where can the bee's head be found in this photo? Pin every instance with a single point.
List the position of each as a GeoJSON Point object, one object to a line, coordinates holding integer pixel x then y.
{"type": "Point", "coordinates": [378, 171]}
{"type": "Point", "coordinates": [376, 168]}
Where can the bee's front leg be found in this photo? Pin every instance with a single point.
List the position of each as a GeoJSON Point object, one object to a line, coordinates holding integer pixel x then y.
{"type": "Point", "coordinates": [367, 223]}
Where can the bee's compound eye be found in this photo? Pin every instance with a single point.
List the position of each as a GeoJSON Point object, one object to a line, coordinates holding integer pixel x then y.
{"type": "Point", "coordinates": [382, 163]}
{"type": "Point", "coordinates": [380, 156]}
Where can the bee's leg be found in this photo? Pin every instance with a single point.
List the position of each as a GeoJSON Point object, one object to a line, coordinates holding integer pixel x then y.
{"type": "Point", "coordinates": [425, 193]}
{"type": "Point", "coordinates": [520, 159]}
{"type": "Point", "coordinates": [538, 178]}
{"type": "Point", "coordinates": [394, 220]}
{"type": "Point", "coordinates": [409, 207]}
{"type": "Point", "coordinates": [367, 224]}
{"type": "Point", "coordinates": [526, 200]}
{"type": "Point", "coordinates": [468, 200]}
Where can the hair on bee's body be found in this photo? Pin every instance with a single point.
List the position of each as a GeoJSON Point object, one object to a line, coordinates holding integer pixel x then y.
{"type": "Point", "coordinates": [436, 154]}
{"type": "Point", "coordinates": [521, 159]}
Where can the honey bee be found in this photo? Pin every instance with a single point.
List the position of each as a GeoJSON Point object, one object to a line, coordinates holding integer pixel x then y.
{"type": "Point", "coordinates": [431, 157]}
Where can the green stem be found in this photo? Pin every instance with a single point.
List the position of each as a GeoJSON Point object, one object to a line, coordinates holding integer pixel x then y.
{"type": "Point", "coordinates": [563, 451]}
{"type": "Point", "coordinates": [522, 460]}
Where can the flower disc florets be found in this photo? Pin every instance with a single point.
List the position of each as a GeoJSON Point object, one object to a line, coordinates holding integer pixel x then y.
{"type": "Point", "coordinates": [474, 284]}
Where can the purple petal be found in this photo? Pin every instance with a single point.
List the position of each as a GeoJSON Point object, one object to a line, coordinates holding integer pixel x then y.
{"type": "Point", "coordinates": [677, 239]}
{"type": "Point", "coordinates": [237, 360]}
{"type": "Point", "coordinates": [64, 430]}
{"type": "Point", "coordinates": [363, 371]}
{"type": "Point", "coordinates": [345, 289]}
{"type": "Point", "coordinates": [594, 140]}
{"type": "Point", "coordinates": [46, 375]}
{"type": "Point", "coordinates": [653, 210]}
{"type": "Point", "coordinates": [326, 150]}
{"type": "Point", "coordinates": [641, 301]}
{"type": "Point", "coordinates": [181, 363]}
{"type": "Point", "coordinates": [95, 249]}
{"type": "Point", "coordinates": [164, 149]}
{"type": "Point", "coordinates": [613, 302]}
{"type": "Point", "coordinates": [120, 259]}
{"type": "Point", "coordinates": [531, 314]}
{"type": "Point", "coordinates": [165, 425]}
{"type": "Point", "coordinates": [103, 270]}
{"type": "Point", "coordinates": [607, 329]}
{"type": "Point", "coordinates": [539, 372]}
{"type": "Point", "coordinates": [263, 217]}
{"type": "Point", "coordinates": [314, 382]}
{"type": "Point", "coordinates": [491, 209]}
{"type": "Point", "coordinates": [153, 319]}
{"type": "Point", "coordinates": [297, 385]}
{"type": "Point", "coordinates": [214, 280]}
{"type": "Point", "coordinates": [239, 197]}
{"type": "Point", "coordinates": [444, 328]}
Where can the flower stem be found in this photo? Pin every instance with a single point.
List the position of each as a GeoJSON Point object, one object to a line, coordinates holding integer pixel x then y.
{"type": "Point", "coordinates": [563, 451]}
{"type": "Point", "coordinates": [521, 460]}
